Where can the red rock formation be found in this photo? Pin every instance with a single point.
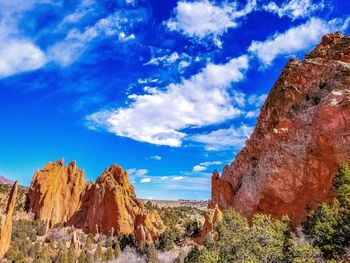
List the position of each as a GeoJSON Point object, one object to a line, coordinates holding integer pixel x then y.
{"type": "Point", "coordinates": [55, 192]}
{"type": "Point", "coordinates": [110, 206]}
{"type": "Point", "coordinates": [6, 221]}
{"type": "Point", "coordinates": [302, 134]}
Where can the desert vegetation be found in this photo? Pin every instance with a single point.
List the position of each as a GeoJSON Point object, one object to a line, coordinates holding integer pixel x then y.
{"type": "Point", "coordinates": [324, 236]}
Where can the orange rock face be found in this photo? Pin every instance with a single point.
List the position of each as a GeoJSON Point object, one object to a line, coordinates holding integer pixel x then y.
{"type": "Point", "coordinates": [55, 192]}
{"type": "Point", "coordinates": [212, 218]}
{"type": "Point", "coordinates": [59, 194]}
{"type": "Point", "coordinates": [6, 221]}
{"type": "Point", "coordinates": [302, 134]}
{"type": "Point", "coordinates": [110, 206]}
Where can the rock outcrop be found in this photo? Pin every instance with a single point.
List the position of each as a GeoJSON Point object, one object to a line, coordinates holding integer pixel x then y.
{"type": "Point", "coordinates": [55, 192]}
{"type": "Point", "coordinates": [211, 219]}
{"type": "Point", "coordinates": [59, 194]}
{"type": "Point", "coordinates": [302, 134]}
{"type": "Point", "coordinates": [6, 221]}
{"type": "Point", "coordinates": [110, 207]}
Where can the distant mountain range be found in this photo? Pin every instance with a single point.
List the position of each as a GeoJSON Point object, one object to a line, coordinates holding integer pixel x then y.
{"type": "Point", "coordinates": [5, 180]}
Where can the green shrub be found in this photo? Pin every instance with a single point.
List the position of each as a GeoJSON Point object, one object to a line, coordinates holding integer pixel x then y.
{"type": "Point", "coordinates": [329, 225]}
{"type": "Point", "coordinates": [193, 228]}
{"type": "Point", "coordinates": [168, 239]}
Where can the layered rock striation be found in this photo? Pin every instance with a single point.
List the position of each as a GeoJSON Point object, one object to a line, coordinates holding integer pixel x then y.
{"type": "Point", "coordinates": [6, 221]}
{"type": "Point", "coordinates": [302, 134]}
{"type": "Point", "coordinates": [59, 194]}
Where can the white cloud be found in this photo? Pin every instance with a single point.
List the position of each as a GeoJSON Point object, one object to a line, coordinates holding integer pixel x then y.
{"type": "Point", "coordinates": [204, 18]}
{"type": "Point", "coordinates": [252, 114]}
{"type": "Point", "coordinates": [137, 172]}
{"type": "Point", "coordinates": [145, 180]}
{"type": "Point", "coordinates": [223, 139]}
{"type": "Point", "coordinates": [203, 166]}
{"type": "Point", "coordinates": [156, 157]}
{"type": "Point", "coordinates": [177, 178]}
{"type": "Point", "coordinates": [17, 53]}
{"type": "Point", "coordinates": [164, 178]}
{"type": "Point", "coordinates": [256, 102]}
{"type": "Point", "coordinates": [294, 8]}
{"type": "Point", "coordinates": [166, 59]}
{"type": "Point", "coordinates": [159, 118]}
{"type": "Point", "coordinates": [293, 40]}
{"type": "Point", "coordinates": [85, 7]}
{"type": "Point", "coordinates": [76, 41]}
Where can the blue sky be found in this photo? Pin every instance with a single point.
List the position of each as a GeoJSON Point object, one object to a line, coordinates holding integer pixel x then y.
{"type": "Point", "coordinates": [170, 90]}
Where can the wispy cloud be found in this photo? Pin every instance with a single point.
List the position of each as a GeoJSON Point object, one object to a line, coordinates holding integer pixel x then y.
{"type": "Point", "coordinates": [155, 157]}
{"type": "Point", "coordinates": [145, 180]}
{"type": "Point", "coordinates": [294, 8]}
{"type": "Point", "coordinates": [77, 41]}
{"type": "Point", "coordinates": [177, 178]}
{"type": "Point", "coordinates": [204, 166]}
{"type": "Point", "coordinates": [224, 139]}
{"type": "Point", "coordinates": [293, 40]}
{"type": "Point", "coordinates": [137, 172]}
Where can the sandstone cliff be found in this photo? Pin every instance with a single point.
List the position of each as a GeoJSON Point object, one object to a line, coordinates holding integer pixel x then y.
{"type": "Point", "coordinates": [55, 192]}
{"type": "Point", "coordinates": [59, 194]}
{"type": "Point", "coordinates": [6, 221]}
{"type": "Point", "coordinates": [110, 206]}
{"type": "Point", "coordinates": [302, 134]}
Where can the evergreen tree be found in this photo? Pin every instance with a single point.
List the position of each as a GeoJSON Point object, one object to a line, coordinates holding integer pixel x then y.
{"type": "Point", "coordinates": [109, 254]}
{"type": "Point", "coordinates": [98, 253]}
{"type": "Point", "coordinates": [71, 254]}
{"type": "Point", "coordinates": [152, 256]}
{"type": "Point", "coordinates": [82, 257]}
{"type": "Point", "coordinates": [89, 243]}
{"type": "Point", "coordinates": [117, 249]}
{"type": "Point", "coordinates": [329, 225]}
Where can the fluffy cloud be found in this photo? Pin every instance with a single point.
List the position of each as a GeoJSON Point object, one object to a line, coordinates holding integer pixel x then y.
{"type": "Point", "coordinates": [223, 139]}
{"type": "Point", "coordinates": [137, 172]}
{"type": "Point", "coordinates": [17, 53]}
{"type": "Point", "coordinates": [203, 166]}
{"type": "Point", "coordinates": [294, 8]}
{"type": "Point", "coordinates": [159, 118]}
{"type": "Point", "coordinates": [204, 18]}
{"type": "Point", "coordinates": [145, 180]}
{"type": "Point", "coordinates": [293, 40]}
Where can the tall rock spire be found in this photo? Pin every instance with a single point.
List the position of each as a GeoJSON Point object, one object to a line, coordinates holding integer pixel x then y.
{"type": "Point", "coordinates": [6, 221]}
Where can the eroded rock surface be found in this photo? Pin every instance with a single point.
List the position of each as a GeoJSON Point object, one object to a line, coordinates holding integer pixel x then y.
{"type": "Point", "coordinates": [211, 219]}
{"type": "Point", "coordinates": [6, 221]}
{"type": "Point", "coordinates": [55, 192]}
{"type": "Point", "coordinates": [110, 206]}
{"type": "Point", "coordinates": [302, 134]}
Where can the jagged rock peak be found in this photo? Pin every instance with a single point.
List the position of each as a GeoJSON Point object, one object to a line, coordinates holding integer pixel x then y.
{"type": "Point", "coordinates": [302, 134]}
{"type": "Point", "coordinates": [334, 46]}
{"type": "Point", "coordinates": [6, 221]}
{"type": "Point", "coordinates": [54, 193]}
{"type": "Point", "coordinates": [110, 207]}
